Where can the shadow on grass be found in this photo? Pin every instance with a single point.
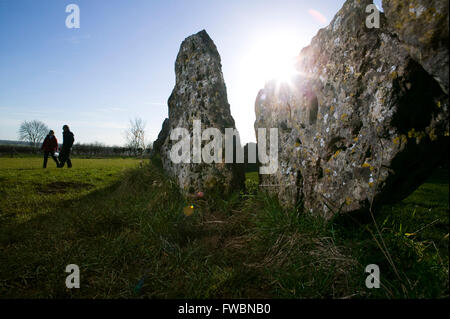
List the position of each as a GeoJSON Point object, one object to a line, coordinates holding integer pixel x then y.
{"type": "Point", "coordinates": [414, 232]}
{"type": "Point", "coordinates": [36, 252]}
{"type": "Point", "coordinates": [245, 246]}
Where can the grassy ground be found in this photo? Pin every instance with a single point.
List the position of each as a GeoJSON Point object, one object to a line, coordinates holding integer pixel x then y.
{"type": "Point", "coordinates": [27, 190]}
{"type": "Point", "coordinates": [130, 236]}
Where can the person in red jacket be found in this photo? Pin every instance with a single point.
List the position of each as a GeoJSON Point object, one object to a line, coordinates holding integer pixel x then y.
{"type": "Point", "coordinates": [50, 146]}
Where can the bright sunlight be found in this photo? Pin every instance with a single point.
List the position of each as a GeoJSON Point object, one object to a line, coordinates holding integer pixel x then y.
{"type": "Point", "coordinates": [272, 58]}
{"type": "Point", "coordinates": [266, 57]}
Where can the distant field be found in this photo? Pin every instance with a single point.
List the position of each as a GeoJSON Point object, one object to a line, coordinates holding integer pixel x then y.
{"type": "Point", "coordinates": [27, 190]}
{"type": "Point", "coordinates": [126, 228]}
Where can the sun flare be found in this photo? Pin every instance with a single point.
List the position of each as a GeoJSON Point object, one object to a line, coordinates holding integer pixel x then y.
{"type": "Point", "coordinates": [267, 56]}
{"type": "Point", "coordinates": [272, 59]}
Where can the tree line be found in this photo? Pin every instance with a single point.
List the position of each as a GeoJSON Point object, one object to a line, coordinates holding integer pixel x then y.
{"type": "Point", "coordinates": [34, 133]}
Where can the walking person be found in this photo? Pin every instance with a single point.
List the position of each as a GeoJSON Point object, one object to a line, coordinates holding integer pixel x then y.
{"type": "Point", "coordinates": [50, 146]}
{"type": "Point", "coordinates": [64, 155]}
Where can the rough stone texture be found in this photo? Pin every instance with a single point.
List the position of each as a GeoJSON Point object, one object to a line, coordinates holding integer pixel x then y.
{"type": "Point", "coordinates": [199, 94]}
{"type": "Point", "coordinates": [363, 122]}
{"type": "Point", "coordinates": [422, 26]}
{"type": "Point", "coordinates": [163, 134]}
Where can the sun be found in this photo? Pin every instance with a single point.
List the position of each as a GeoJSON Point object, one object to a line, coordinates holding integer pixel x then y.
{"type": "Point", "coordinates": [266, 56]}
{"type": "Point", "coordinates": [272, 58]}
{"type": "Point", "coordinates": [278, 61]}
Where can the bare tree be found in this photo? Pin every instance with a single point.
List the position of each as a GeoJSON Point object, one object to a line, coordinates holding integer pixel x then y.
{"type": "Point", "coordinates": [135, 136]}
{"type": "Point", "coordinates": [33, 132]}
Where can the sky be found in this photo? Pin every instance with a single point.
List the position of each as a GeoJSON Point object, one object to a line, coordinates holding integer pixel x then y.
{"type": "Point", "coordinates": [120, 63]}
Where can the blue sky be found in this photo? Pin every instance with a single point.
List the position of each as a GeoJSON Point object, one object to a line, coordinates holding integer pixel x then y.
{"type": "Point", "coordinates": [120, 63]}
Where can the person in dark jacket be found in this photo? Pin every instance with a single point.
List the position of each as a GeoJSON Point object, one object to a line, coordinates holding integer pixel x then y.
{"type": "Point", "coordinates": [64, 155]}
{"type": "Point", "coordinates": [50, 146]}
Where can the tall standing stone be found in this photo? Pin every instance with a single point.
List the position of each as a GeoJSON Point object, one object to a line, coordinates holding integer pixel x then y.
{"type": "Point", "coordinates": [199, 94]}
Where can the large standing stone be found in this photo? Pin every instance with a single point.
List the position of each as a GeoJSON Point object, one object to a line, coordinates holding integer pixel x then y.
{"type": "Point", "coordinates": [363, 122]}
{"type": "Point", "coordinates": [199, 94]}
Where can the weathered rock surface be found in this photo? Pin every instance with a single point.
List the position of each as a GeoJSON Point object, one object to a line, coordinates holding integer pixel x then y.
{"type": "Point", "coordinates": [363, 122]}
{"type": "Point", "coordinates": [163, 134]}
{"type": "Point", "coordinates": [422, 26]}
{"type": "Point", "coordinates": [199, 94]}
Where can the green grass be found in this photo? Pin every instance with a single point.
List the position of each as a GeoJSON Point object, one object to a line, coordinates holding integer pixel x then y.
{"type": "Point", "coordinates": [415, 232]}
{"type": "Point", "coordinates": [27, 190]}
{"type": "Point", "coordinates": [129, 227]}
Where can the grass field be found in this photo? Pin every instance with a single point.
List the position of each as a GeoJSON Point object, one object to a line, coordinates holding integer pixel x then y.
{"type": "Point", "coordinates": [28, 190]}
{"type": "Point", "coordinates": [125, 228]}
